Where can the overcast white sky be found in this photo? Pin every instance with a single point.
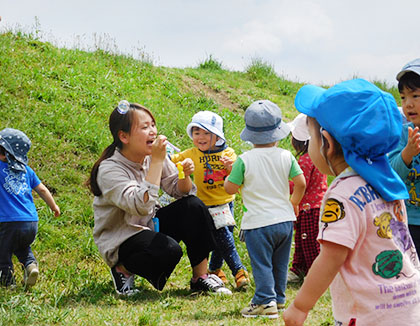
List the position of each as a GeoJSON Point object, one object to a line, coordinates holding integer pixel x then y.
{"type": "Point", "coordinates": [321, 42]}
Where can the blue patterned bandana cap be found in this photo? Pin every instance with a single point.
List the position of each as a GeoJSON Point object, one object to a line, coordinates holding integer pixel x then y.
{"type": "Point", "coordinates": [16, 145]}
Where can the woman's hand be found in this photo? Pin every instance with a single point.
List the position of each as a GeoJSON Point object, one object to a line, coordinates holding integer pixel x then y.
{"type": "Point", "coordinates": [159, 148]}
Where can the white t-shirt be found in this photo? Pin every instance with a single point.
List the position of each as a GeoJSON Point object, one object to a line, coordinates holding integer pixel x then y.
{"type": "Point", "coordinates": [264, 174]}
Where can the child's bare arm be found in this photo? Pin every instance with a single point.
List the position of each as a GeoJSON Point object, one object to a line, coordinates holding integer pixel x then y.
{"type": "Point", "coordinates": [413, 146]}
{"type": "Point", "coordinates": [45, 194]}
{"type": "Point", "coordinates": [298, 191]}
{"type": "Point", "coordinates": [320, 275]}
{"type": "Point", "coordinates": [230, 187]}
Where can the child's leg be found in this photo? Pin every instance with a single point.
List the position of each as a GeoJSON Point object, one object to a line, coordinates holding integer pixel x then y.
{"type": "Point", "coordinates": [281, 257]}
{"type": "Point", "coordinates": [260, 243]}
{"type": "Point", "coordinates": [25, 236]}
{"type": "Point", "coordinates": [226, 246]}
{"type": "Point", "coordinates": [6, 251]}
{"type": "Point", "coordinates": [298, 263]}
{"type": "Point", "coordinates": [310, 246]}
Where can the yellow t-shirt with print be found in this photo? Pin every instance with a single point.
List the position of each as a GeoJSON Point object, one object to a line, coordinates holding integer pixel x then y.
{"type": "Point", "coordinates": [209, 178]}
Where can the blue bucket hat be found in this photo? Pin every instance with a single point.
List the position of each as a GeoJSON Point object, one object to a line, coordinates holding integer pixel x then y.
{"type": "Point", "coordinates": [16, 145]}
{"type": "Point", "coordinates": [263, 123]}
{"type": "Point", "coordinates": [367, 124]}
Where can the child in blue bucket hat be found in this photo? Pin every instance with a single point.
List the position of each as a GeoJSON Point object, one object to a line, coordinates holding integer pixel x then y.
{"type": "Point", "coordinates": [367, 257]}
{"type": "Point", "coordinates": [18, 215]}
{"type": "Point", "coordinates": [263, 174]}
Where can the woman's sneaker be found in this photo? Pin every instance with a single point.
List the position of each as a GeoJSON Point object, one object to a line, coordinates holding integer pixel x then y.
{"type": "Point", "coordinates": [268, 310]}
{"type": "Point", "coordinates": [220, 274]}
{"type": "Point", "coordinates": [210, 284]}
{"type": "Point", "coordinates": [123, 285]}
{"type": "Point", "coordinates": [30, 275]}
{"type": "Point", "coordinates": [242, 279]}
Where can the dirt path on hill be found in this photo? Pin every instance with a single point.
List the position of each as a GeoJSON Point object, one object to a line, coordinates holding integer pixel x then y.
{"type": "Point", "coordinates": [220, 97]}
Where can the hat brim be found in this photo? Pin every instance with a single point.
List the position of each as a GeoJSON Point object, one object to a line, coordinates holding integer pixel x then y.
{"type": "Point", "coordinates": [379, 174]}
{"type": "Point", "coordinates": [307, 98]}
{"type": "Point", "coordinates": [266, 137]}
{"type": "Point", "coordinates": [14, 163]}
{"type": "Point", "coordinates": [211, 129]}
{"type": "Point", "coordinates": [403, 72]}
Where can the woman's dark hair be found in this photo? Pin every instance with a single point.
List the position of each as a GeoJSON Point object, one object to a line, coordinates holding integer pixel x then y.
{"type": "Point", "coordinates": [2, 151]}
{"type": "Point", "coordinates": [301, 147]}
{"type": "Point", "coordinates": [409, 80]}
{"type": "Point", "coordinates": [117, 122]}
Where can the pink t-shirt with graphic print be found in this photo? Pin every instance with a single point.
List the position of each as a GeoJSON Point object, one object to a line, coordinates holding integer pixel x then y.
{"type": "Point", "coordinates": [379, 283]}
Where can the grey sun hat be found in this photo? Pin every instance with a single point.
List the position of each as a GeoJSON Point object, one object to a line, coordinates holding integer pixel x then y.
{"type": "Point", "coordinates": [413, 66]}
{"type": "Point", "coordinates": [263, 123]}
{"type": "Point", "coordinates": [16, 145]}
{"type": "Point", "coordinates": [209, 121]}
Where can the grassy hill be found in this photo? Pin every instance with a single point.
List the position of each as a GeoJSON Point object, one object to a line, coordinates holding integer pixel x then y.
{"type": "Point", "coordinates": [62, 99]}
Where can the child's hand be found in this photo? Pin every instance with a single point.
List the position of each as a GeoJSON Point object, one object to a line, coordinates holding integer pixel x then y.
{"type": "Point", "coordinates": [292, 316]}
{"type": "Point", "coordinates": [227, 162]}
{"type": "Point", "coordinates": [413, 146]}
{"type": "Point", "coordinates": [56, 211]}
{"type": "Point", "coordinates": [188, 166]}
{"type": "Point", "coordinates": [295, 207]}
{"type": "Point", "coordinates": [414, 140]}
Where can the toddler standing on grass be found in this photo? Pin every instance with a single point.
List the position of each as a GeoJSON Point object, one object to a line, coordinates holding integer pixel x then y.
{"type": "Point", "coordinates": [306, 225]}
{"type": "Point", "coordinates": [367, 257]}
{"type": "Point", "coordinates": [213, 161]}
{"type": "Point", "coordinates": [269, 211]}
{"type": "Point", "coordinates": [18, 215]}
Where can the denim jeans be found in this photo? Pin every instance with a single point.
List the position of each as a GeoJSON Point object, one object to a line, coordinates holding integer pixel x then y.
{"type": "Point", "coordinates": [225, 249]}
{"type": "Point", "coordinates": [16, 239]}
{"type": "Point", "coordinates": [269, 251]}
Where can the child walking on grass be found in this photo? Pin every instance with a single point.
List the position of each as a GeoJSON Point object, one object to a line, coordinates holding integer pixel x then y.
{"type": "Point", "coordinates": [269, 211]}
{"type": "Point", "coordinates": [306, 225]}
{"type": "Point", "coordinates": [18, 215]}
{"type": "Point", "coordinates": [367, 257]}
{"type": "Point", "coordinates": [213, 161]}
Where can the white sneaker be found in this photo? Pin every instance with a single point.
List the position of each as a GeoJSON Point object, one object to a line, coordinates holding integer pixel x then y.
{"type": "Point", "coordinates": [268, 310]}
{"type": "Point", "coordinates": [292, 277]}
{"type": "Point", "coordinates": [30, 274]}
{"type": "Point", "coordinates": [210, 284]}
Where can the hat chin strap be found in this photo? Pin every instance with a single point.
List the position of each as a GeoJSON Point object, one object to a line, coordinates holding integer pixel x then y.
{"type": "Point", "coordinates": [321, 150]}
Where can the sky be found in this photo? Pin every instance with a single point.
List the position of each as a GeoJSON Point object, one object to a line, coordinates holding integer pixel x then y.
{"type": "Point", "coordinates": [319, 42]}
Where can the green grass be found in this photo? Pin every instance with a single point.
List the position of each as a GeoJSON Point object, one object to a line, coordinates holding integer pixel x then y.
{"type": "Point", "coordinates": [62, 99]}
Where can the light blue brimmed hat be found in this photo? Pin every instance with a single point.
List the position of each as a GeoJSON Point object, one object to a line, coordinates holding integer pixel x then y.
{"type": "Point", "coordinates": [263, 123]}
{"type": "Point", "coordinates": [413, 66]}
{"type": "Point", "coordinates": [209, 121]}
{"type": "Point", "coordinates": [16, 145]}
{"type": "Point", "coordinates": [366, 122]}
